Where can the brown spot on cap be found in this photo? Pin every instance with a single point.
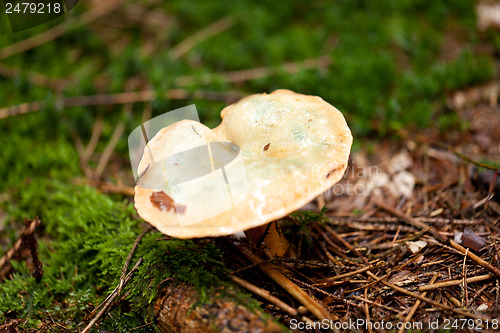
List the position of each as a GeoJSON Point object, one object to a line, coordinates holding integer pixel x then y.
{"type": "Point", "coordinates": [195, 131]}
{"type": "Point", "coordinates": [165, 203]}
{"type": "Point", "coordinates": [266, 147]}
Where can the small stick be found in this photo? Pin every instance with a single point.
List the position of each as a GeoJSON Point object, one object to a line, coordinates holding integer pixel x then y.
{"type": "Point", "coordinates": [326, 293]}
{"type": "Point", "coordinates": [426, 180]}
{"type": "Point", "coordinates": [470, 160]}
{"type": "Point", "coordinates": [415, 307]}
{"type": "Point", "coordinates": [495, 312]}
{"type": "Point", "coordinates": [396, 236]}
{"type": "Point", "coordinates": [79, 148]}
{"type": "Point", "coordinates": [367, 311]}
{"type": "Point", "coordinates": [422, 298]}
{"type": "Point", "coordinates": [30, 242]}
{"type": "Point", "coordinates": [346, 244]}
{"type": "Point", "coordinates": [255, 73]}
{"type": "Point", "coordinates": [110, 147]}
{"type": "Point", "coordinates": [119, 98]}
{"type": "Point", "coordinates": [125, 266]}
{"type": "Point", "coordinates": [131, 253]}
{"type": "Point", "coordinates": [411, 221]}
{"type": "Point", "coordinates": [189, 43]}
{"type": "Point", "coordinates": [476, 295]}
{"type": "Point", "coordinates": [265, 295]}
{"type": "Point", "coordinates": [35, 78]}
{"type": "Point", "coordinates": [464, 280]}
{"type": "Point", "coordinates": [375, 303]}
{"type": "Point", "coordinates": [335, 248]}
{"type": "Point", "coordinates": [450, 283]}
{"type": "Point", "coordinates": [17, 245]}
{"type": "Point", "coordinates": [368, 285]}
{"type": "Point", "coordinates": [108, 187]}
{"type": "Point", "coordinates": [440, 220]}
{"type": "Point", "coordinates": [476, 258]}
{"type": "Point", "coordinates": [311, 304]}
{"type": "Point", "coordinates": [111, 298]}
{"type": "Point", "coordinates": [340, 277]}
{"type": "Point", "coordinates": [94, 139]}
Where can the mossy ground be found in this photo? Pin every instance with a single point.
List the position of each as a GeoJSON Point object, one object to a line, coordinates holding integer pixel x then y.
{"type": "Point", "coordinates": [392, 65]}
{"type": "Point", "coordinates": [85, 238]}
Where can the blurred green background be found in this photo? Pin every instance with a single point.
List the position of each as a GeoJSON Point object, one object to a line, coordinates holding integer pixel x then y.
{"type": "Point", "coordinates": [385, 64]}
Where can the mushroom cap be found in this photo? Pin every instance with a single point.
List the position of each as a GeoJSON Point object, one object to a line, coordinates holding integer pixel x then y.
{"type": "Point", "coordinates": [271, 155]}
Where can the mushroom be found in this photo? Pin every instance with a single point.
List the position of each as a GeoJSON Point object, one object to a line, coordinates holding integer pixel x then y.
{"type": "Point", "coordinates": [273, 152]}
{"type": "Point", "coordinates": [271, 155]}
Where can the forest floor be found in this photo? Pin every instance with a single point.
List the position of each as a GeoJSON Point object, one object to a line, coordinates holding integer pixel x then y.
{"type": "Point", "coordinates": [410, 234]}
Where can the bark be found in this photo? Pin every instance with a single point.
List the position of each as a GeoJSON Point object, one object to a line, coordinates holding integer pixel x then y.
{"type": "Point", "coordinates": [175, 312]}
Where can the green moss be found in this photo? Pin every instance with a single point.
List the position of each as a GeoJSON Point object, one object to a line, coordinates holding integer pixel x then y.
{"type": "Point", "coordinates": [387, 69]}
{"type": "Point", "coordinates": [85, 238]}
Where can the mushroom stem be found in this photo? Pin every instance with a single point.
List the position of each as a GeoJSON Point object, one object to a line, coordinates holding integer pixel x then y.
{"type": "Point", "coordinates": [273, 238]}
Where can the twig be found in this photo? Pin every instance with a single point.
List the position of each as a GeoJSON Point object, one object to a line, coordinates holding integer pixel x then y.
{"type": "Point", "coordinates": [94, 139]}
{"type": "Point", "coordinates": [200, 36]}
{"type": "Point", "coordinates": [120, 98]}
{"type": "Point", "coordinates": [110, 147]}
{"type": "Point", "coordinates": [422, 298]}
{"type": "Point", "coordinates": [426, 181]}
{"type": "Point", "coordinates": [333, 246]}
{"type": "Point", "coordinates": [374, 303]}
{"type": "Point", "coordinates": [80, 148]}
{"type": "Point", "coordinates": [29, 229]}
{"type": "Point", "coordinates": [346, 244]}
{"type": "Point", "coordinates": [265, 295]}
{"type": "Point", "coordinates": [415, 307]}
{"type": "Point", "coordinates": [111, 298]}
{"type": "Point", "coordinates": [476, 295]}
{"type": "Point", "coordinates": [464, 280]}
{"type": "Point", "coordinates": [497, 292]}
{"type": "Point", "coordinates": [319, 290]}
{"type": "Point", "coordinates": [31, 243]}
{"type": "Point", "coordinates": [254, 73]}
{"type": "Point", "coordinates": [368, 285]}
{"type": "Point", "coordinates": [48, 35]}
{"type": "Point", "coordinates": [342, 276]}
{"type": "Point", "coordinates": [124, 275]}
{"type": "Point", "coordinates": [35, 78]}
{"type": "Point", "coordinates": [476, 258]}
{"type": "Point", "coordinates": [312, 305]}
{"type": "Point", "coordinates": [106, 187]}
{"type": "Point", "coordinates": [470, 160]}
{"type": "Point", "coordinates": [411, 221]}
{"type": "Point", "coordinates": [131, 253]}
{"type": "Point", "coordinates": [450, 283]}
{"type": "Point", "coordinates": [440, 220]}
{"type": "Point", "coordinates": [366, 309]}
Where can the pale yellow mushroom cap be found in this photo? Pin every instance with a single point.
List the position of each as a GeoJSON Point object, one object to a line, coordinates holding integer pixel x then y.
{"type": "Point", "coordinates": [292, 147]}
